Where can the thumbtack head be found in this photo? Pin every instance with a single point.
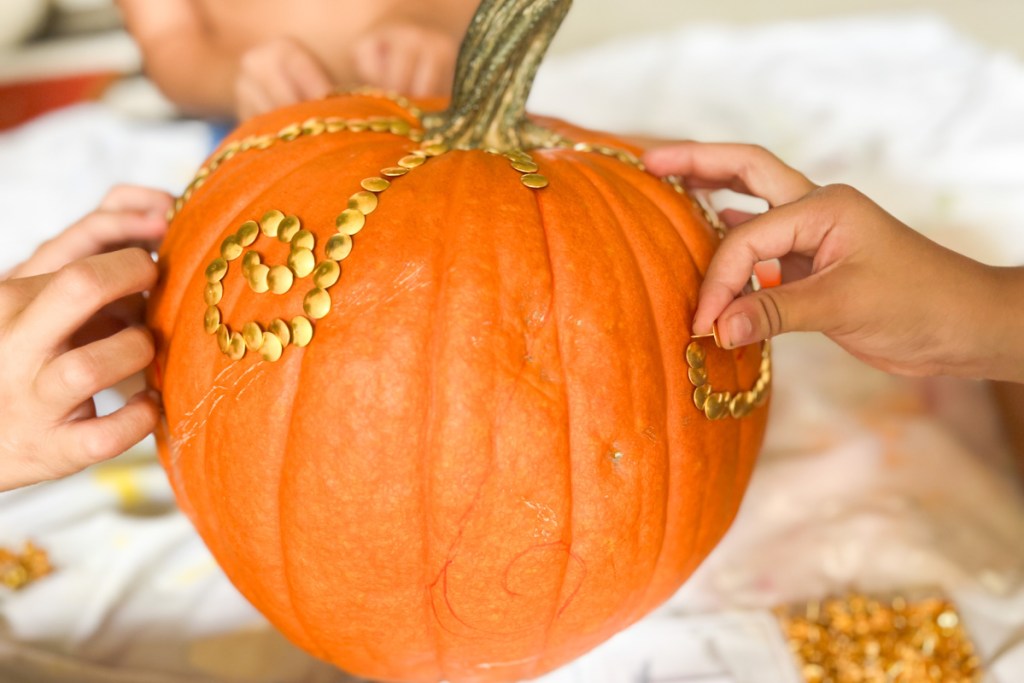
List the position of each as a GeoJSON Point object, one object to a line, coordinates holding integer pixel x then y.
{"type": "Point", "coordinates": [712, 335]}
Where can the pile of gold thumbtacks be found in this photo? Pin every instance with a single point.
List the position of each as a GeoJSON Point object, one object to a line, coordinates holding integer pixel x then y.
{"type": "Point", "coordinates": [859, 639]}
{"type": "Point", "coordinates": [18, 570]}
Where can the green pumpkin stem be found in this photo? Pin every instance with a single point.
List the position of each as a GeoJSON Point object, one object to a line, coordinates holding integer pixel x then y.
{"type": "Point", "coordinates": [499, 58]}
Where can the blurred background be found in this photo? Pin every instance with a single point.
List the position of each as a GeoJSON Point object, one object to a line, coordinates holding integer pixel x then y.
{"type": "Point", "coordinates": [76, 45]}
{"type": "Point", "coordinates": [995, 22]}
{"type": "Point", "coordinates": [866, 482]}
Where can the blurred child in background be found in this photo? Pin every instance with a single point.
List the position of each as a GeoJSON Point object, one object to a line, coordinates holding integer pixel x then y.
{"type": "Point", "coordinates": [240, 58]}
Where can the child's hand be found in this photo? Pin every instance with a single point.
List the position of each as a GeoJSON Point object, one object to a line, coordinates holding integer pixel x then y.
{"type": "Point", "coordinates": [128, 216]}
{"type": "Point", "coordinates": [408, 59]}
{"type": "Point", "coordinates": [275, 74]}
{"type": "Point", "coordinates": [884, 292]}
{"type": "Point", "coordinates": [66, 335]}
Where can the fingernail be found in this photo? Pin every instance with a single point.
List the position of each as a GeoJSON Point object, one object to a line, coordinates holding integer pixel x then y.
{"type": "Point", "coordinates": [741, 329]}
{"type": "Point", "coordinates": [156, 397]}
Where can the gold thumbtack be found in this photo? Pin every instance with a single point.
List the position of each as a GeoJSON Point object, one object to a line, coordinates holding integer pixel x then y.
{"type": "Point", "coordinates": [712, 335]}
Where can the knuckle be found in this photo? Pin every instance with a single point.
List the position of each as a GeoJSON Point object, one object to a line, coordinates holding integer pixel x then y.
{"type": "Point", "coordinates": [758, 161]}
{"type": "Point", "coordinates": [760, 151]}
{"type": "Point", "coordinates": [79, 373]}
{"type": "Point", "coordinates": [117, 191]}
{"type": "Point", "coordinates": [839, 191]}
{"type": "Point", "coordinates": [100, 444]}
{"type": "Point", "coordinates": [838, 199]}
{"type": "Point", "coordinates": [80, 282]}
{"type": "Point", "coordinates": [49, 244]}
{"type": "Point", "coordinates": [759, 157]}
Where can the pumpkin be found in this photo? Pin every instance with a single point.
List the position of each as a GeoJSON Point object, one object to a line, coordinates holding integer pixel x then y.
{"type": "Point", "coordinates": [431, 398]}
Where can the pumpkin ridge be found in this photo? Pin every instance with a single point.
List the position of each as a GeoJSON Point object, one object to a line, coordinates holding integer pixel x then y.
{"type": "Point", "coordinates": [213, 508]}
{"type": "Point", "coordinates": [543, 663]}
{"type": "Point", "coordinates": [703, 491]}
{"type": "Point", "coordinates": [508, 389]}
{"type": "Point", "coordinates": [699, 539]}
{"type": "Point", "coordinates": [598, 177]}
{"type": "Point", "coordinates": [319, 649]}
{"type": "Point", "coordinates": [641, 190]}
{"type": "Point", "coordinates": [428, 432]}
{"type": "Point", "coordinates": [440, 581]}
{"type": "Point", "coordinates": [560, 604]}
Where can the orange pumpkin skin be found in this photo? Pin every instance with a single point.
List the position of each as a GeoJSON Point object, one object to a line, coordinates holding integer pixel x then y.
{"type": "Point", "coordinates": [488, 460]}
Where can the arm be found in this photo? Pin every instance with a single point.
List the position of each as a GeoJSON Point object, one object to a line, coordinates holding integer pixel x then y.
{"type": "Point", "coordinates": [182, 57]}
{"type": "Point", "coordinates": [884, 292]}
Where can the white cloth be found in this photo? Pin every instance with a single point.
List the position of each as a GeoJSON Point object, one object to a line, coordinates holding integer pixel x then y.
{"type": "Point", "coordinates": [56, 169]}
{"type": "Point", "coordinates": [866, 482]}
{"type": "Point", "coordinates": [922, 120]}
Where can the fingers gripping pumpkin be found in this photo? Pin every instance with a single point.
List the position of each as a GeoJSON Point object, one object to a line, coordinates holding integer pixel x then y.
{"type": "Point", "coordinates": [430, 396]}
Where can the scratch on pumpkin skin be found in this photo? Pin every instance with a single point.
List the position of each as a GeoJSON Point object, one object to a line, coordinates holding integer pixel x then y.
{"type": "Point", "coordinates": [546, 516]}
{"type": "Point", "coordinates": [408, 280]}
{"type": "Point", "coordinates": [651, 434]}
{"type": "Point", "coordinates": [249, 383]}
{"type": "Point", "coordinates": [195, 419]}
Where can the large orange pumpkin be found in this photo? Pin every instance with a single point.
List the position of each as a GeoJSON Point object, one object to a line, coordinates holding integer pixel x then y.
{"type": "Point", "coordinates": [437, 413]}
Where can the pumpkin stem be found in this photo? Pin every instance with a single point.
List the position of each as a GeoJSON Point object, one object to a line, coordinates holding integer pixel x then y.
{"type": "Point", "coordinates": [499, 58]}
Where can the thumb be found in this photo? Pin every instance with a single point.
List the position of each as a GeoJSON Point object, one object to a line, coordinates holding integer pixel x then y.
{"type": "Point", "coordinates": [794, 307]}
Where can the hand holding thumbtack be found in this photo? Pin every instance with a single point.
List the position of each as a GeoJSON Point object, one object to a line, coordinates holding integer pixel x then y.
{"type": "Point", "coordinates": [882, 291]}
